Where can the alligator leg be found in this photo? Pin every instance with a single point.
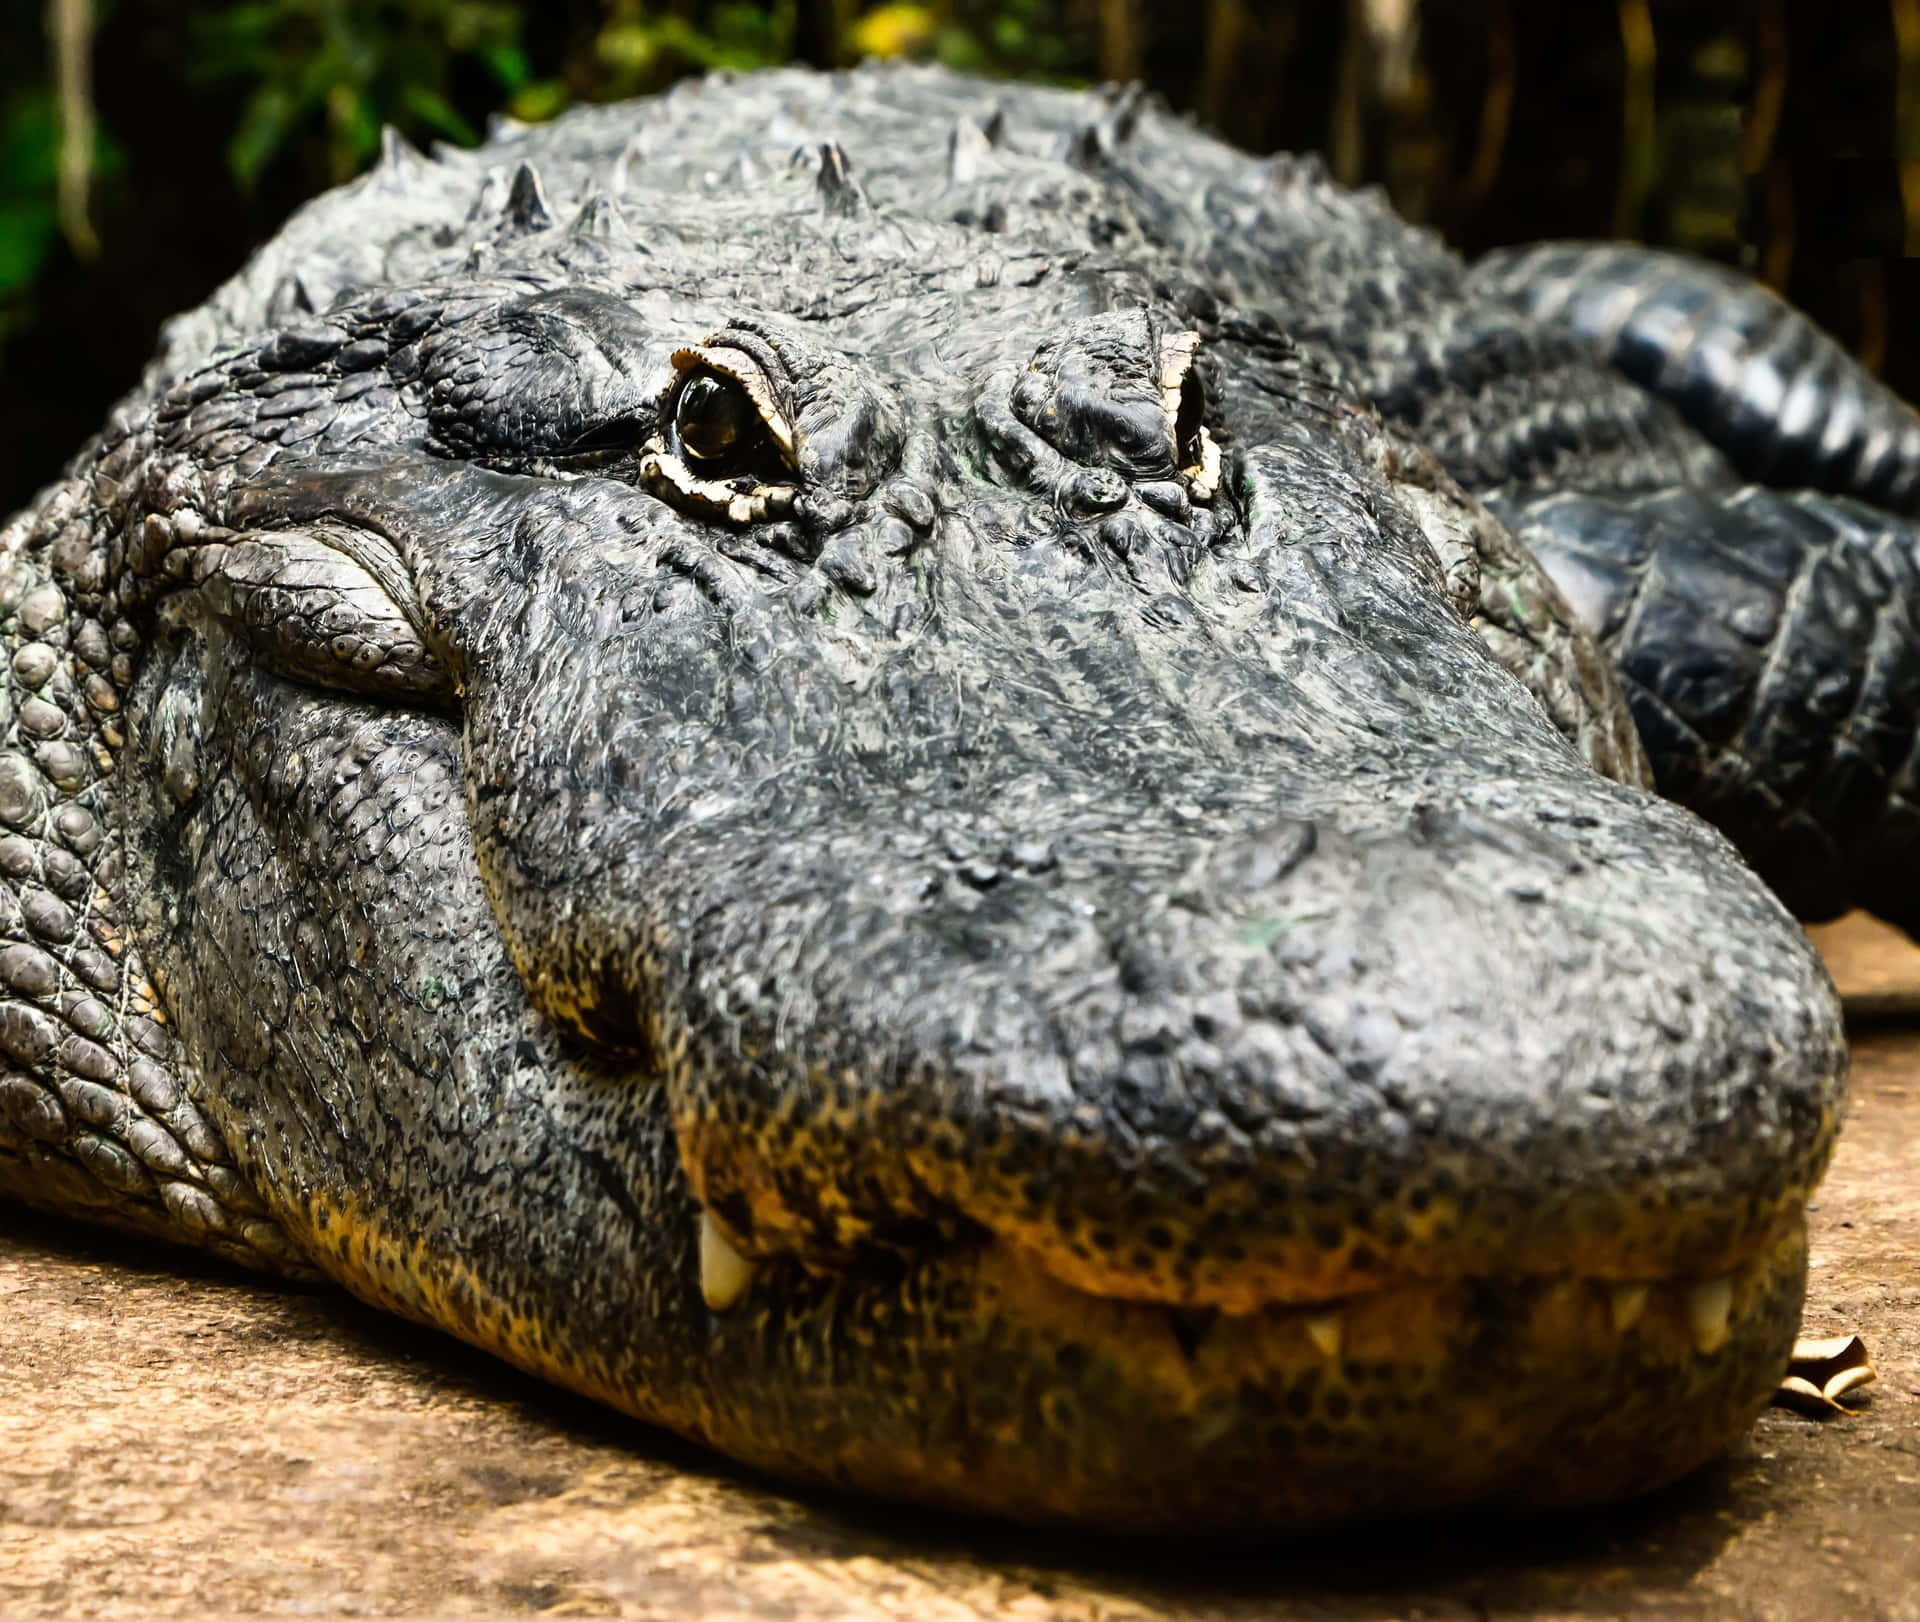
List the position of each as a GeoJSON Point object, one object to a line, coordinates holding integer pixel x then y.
{"type": "Point", "coordinates": [97, 1111]}
{"type": "Point", "coordinates": [1785, 403]}
{"type": "Point", "coordinates": [1769, 647]}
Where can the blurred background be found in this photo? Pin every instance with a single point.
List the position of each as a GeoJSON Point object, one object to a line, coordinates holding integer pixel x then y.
{"type": "Point", "coordinates": [146, 146]}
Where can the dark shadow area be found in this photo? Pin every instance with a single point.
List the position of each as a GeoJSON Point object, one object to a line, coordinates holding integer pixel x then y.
{"type": "Point", "coordinates": [1509, 1563]}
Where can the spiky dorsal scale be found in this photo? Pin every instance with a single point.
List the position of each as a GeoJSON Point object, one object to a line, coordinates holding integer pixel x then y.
{"type": "Point", "coordinates": [527, 206]}
{"type": "Point", "coordinates": [840, 192]}
{"type": "Point", "coordinates": [600, 219]}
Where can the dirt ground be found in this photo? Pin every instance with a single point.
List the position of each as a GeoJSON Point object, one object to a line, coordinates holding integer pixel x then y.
{"type": "Point", "coordinates": [179, 1441]}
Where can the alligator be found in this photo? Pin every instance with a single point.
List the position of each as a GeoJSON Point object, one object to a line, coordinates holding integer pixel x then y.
{"type": "Point", "coordinates": [943, 785]}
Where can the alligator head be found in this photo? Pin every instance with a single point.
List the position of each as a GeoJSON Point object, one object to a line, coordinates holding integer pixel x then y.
{"type": "Point", "coordinates": [873, 830]}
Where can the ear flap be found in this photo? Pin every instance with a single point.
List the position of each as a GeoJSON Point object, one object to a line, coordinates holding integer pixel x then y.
{"type": "Point", "coordinates": [98, 1118]}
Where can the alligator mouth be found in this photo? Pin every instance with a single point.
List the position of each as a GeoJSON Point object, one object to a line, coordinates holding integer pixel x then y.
{"type": "Point", "coordinates": [1693, 1311]}
{"type": "Point", "coordinates": [970, 1377]}
{"type": "Point", "coordinates": [1415, 1322]}
{"type": "Point", "coordinates": [1528, 1391]}
{"type": "Point", "coordinates": [1643, 1243]}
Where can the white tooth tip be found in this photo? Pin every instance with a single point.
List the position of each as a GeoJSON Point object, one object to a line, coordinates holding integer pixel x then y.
{"type": "Point", "coordinates": [1625, 1303]}
{"type": "Point", "coordinates": [1709, 1308]}
{"type": "Point", "coordinates": [724, 1272]}
{"type": "Point", "coordinates": [1328, 1333]}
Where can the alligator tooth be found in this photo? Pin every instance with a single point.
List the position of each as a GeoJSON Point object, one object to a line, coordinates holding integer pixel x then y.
{"type": "Point", "coordinates": [1708, 1309]}
{"type": "Point", "coordinates": [724, 1272]}
{"type": "Point", "coordinates": [1328, 1332]}
{"type": "Point", "coordinates": [1625, 1303]}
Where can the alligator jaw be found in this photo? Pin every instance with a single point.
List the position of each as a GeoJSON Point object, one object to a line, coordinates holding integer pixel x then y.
{"type": "Point", "coordinates": [1524, 1387]}
{"type": "Point", "coordinates": [1695, 1304]}
{"type": "Point", "coordinates": [1523, 1393]}
{"type": "Point", "coordinates": [970, 1377]}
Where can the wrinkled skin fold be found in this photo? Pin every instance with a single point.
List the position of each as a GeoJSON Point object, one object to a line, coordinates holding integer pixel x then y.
{"type": "Point", "coordinates": [837, 767]}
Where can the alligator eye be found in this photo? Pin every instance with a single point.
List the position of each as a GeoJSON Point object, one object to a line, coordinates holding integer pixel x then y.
{"type": "Point", "coordinates": [714, 421]}
{"type": "Point", "coordinates": [726, 450]}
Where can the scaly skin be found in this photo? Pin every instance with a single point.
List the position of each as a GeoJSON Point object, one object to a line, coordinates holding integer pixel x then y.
{"type": "Point", "coordinates": [904, 818]}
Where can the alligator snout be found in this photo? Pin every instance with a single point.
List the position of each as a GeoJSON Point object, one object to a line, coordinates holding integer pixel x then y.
{"type": "Point", "coordinates": [1201, 955]}
{"type": "Point", "coordinates": [1211, 1150]}
{"type": "Point", "coordinates": [1279, 1063]}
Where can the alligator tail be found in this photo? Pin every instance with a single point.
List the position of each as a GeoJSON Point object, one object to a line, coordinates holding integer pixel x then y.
{"type": "Point", "coordinates": [1785, 403]}
{"type": "Point", "coordinates": [1770, 649]}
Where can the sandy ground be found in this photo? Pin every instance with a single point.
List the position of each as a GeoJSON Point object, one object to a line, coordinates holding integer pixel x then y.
{"type": "Point", "coordinates": [181, 1442]}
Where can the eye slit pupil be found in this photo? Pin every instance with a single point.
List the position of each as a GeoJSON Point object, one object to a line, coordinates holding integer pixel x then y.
{"type": "Point", "coordinates": [1189, 420]}
{"type": "Point", "coordinates": [713, 419]}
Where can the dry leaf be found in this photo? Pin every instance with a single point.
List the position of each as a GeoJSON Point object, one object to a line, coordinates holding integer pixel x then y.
{"type": "Point", "coordinates": [1820, 1372]}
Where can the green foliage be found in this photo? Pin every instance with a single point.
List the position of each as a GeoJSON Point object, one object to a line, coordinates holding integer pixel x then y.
{"type": "Point", "coordinates": [29, 220]}
{"type": "Point", "coordinates": [316, 79]}
{"type": "Point", "coordinates": [641, 46]}
{"type": "Point", "coordinates": [1021, 38]}
{"type": "Point", "coordinates": [350, 66]}
{"type": "Point", "coordinates": [29, 209]}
